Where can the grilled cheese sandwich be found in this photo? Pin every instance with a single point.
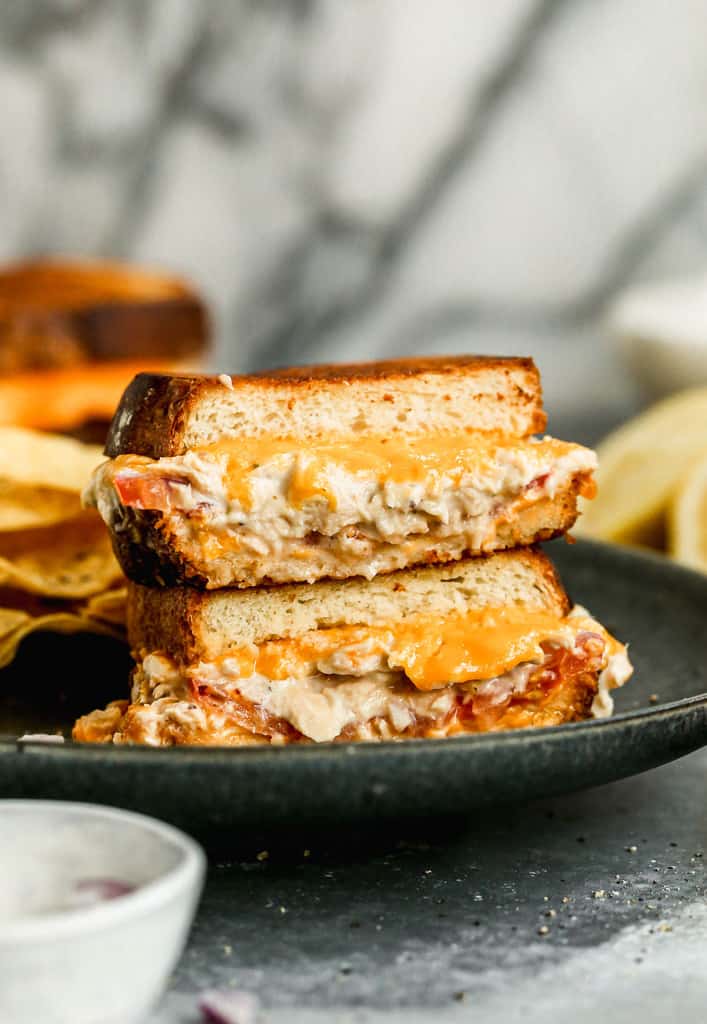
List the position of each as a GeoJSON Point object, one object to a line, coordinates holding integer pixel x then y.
{"type": "Point", "coordinates": [484, 645]}
{"type": "Point", "coordinates": [395, 505]}
{"type": "Point", "coordinates": [222, 502]}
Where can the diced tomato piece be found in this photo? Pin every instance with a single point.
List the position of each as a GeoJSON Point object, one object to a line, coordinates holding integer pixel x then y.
{"type": "Point", "coordinates": [249, 716]}
{"type": "Point", "coordinates": [146, 492]}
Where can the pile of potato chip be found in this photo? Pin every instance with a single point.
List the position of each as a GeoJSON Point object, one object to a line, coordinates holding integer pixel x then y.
{"type": "Point", "coordinates": [57, 568]}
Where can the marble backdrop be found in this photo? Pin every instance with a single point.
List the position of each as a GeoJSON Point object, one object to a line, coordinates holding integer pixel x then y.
{"type": "Point", "coordinates": [350, 178]}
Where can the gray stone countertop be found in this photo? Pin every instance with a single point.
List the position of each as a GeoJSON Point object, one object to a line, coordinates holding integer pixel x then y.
{"type": "Point", "coordinates": [589, 904]}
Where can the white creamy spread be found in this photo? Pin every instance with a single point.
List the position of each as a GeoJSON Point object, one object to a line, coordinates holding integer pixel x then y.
{"type": "Point", "coordinates": [321, 709]}
{"type": "Point", "coordinates": [317, 706]}
{"type": "Point", "coordinates": [618, 670]}
{"type": "Point", "coordinates": [384, 510]}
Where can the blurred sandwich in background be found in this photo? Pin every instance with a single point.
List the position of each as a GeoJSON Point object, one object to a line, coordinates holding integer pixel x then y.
{"type": "Point", "coordinates": [73, 334]}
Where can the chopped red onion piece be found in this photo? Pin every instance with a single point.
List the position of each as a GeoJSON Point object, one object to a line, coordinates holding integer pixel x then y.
{"type": "Point", "coordinates": [593, 643]}
{"type": "Point", "coordinates": [98, 890]}
{"type": "Point", "coordinates": [229, 1007]}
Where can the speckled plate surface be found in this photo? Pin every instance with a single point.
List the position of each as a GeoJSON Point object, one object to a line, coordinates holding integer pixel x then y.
{"type": "Point", "coordinates": [659, 608]}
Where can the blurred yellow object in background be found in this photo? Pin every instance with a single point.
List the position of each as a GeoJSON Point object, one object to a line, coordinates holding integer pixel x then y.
{"type": "Point", "coordinates": [69, 559]}
{"type": "Point", "coordinates": [31, 458]}
{"type": "Point", "coordinates": [687, 518]}
{"type": "Point", "coordinates": [641, 466]}
{"type": "Point", "coordinates": [49, 545]}
{"type": "Point", "coordinates": [41, 478]}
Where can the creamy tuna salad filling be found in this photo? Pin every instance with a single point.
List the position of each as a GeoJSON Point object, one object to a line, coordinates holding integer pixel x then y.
{"type": "Point", "coordinates": [359, 691]}
{"type": "Point", "coordinates": [293, 495]}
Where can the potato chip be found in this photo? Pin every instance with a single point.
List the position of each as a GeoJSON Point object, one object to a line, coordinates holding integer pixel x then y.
{"type": "Point", "coordinates": [71, 559]}
{"type": "Point", "coordinates": [687, 518]}
{"type": "Point", "coordinates": [16, 625]}
{"type": "Point", "coordinates": [23, 506]}
{"type": "Point", "coordinates": [34, 459]}
{"type": "Point", "coordinates": [41, 477]}
{"type": "Point", "coordinates": [108, 607]}
{"type": "Point", "coordinates": [10, 619]}
{"type": "Point", "coordinates": [53, 555]}
{"type": "Point", "coordinates": [641, 465]}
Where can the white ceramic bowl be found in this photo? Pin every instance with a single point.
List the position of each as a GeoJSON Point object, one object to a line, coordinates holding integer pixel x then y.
{"type": "Point", "coordinates": [661, 333]}
{"type": "Point", "coordinates": [108, 962]}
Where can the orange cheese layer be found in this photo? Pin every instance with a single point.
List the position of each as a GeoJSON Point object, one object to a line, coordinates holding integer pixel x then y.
{"type": "Point", "coordinates": [399, 459]}
{"type": "Point", "coordinates": [432, 650]}
{"type": "Point", "coordinates": [62, 399]}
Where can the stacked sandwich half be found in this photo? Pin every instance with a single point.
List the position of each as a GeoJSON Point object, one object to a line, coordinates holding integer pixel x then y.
{"type": "Point", "coordinates": [345, 553]}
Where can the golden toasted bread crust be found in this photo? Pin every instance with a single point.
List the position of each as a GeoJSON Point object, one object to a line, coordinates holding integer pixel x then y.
{"type": "Point", "coordinates": [391, 369]}
{"type": "Point", "coordinates": [172, 619]}
{"type": "Point", "coordinates": [56, 314]}
{"type": "Point", "coordinates": [153, 414]}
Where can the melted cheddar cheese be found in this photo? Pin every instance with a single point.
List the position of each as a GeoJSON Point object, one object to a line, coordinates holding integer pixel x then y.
{"type": "Point", "coordinates": [400, 459]}
{"type": "Point", "coordinates": [432, 650]}
{"type": "Point", "coordinates": [405, 474]}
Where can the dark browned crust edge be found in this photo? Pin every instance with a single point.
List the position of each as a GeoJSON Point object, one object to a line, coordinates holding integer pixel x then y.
{"type": "Point", "coordinates": [152, 414]}
{"type": "Point", "coordinates": [390, 369]}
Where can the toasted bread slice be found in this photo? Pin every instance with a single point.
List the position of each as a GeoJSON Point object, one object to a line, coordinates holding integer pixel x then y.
{"type": "Point", "coordinates": [162, 415]}
{"type": "Point", "coordinates": [194, 626]}
{"type": "Point", "coordinates": [332, 472]}
{"type": "Point", "coordinates": [73, 335]}
{"type": "Point", "coordinates": [485, 645]}
{"type": "Point", "coordinates": [57, 314]}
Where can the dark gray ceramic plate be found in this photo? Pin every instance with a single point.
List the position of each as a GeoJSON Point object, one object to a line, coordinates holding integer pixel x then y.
{"type": "Point", "coordinates": [660, 609]}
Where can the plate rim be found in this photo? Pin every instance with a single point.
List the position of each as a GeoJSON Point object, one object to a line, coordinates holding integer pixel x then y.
{"type": "Point", "coordinates": [347, 750]}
